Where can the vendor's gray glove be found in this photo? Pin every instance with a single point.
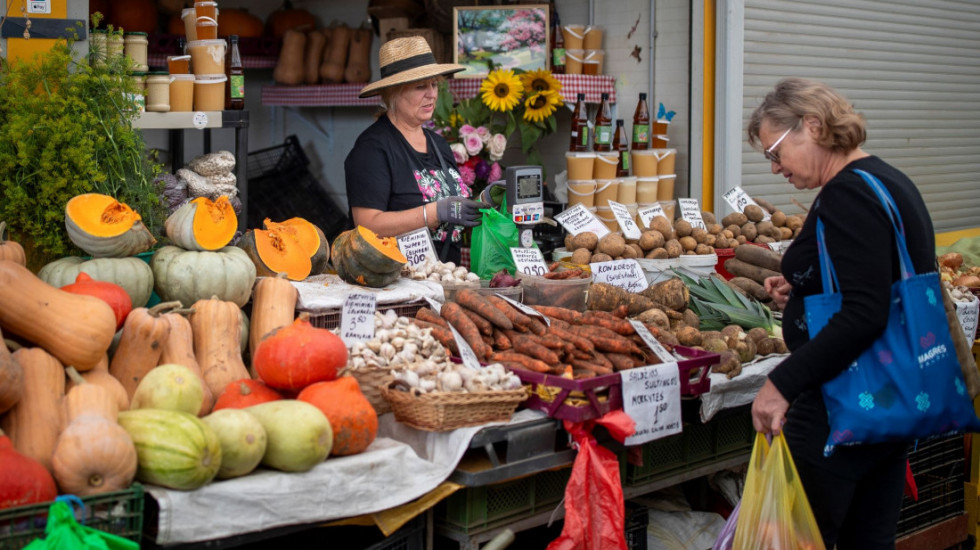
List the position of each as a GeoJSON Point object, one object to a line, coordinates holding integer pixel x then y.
{"type": "Point", "coordinates": [459, 211]}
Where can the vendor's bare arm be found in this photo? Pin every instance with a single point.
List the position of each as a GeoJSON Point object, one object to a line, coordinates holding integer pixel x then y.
{"type": "Point", "coordinates": [388, 224]}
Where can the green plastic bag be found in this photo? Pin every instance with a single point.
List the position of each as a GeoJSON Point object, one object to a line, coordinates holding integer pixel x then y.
{"type": "Point", "coordinates": [63, 532]}
{"type": "Point", "coordinates": [491, 242]}
{"type": "Point", "coordinates": [774, 512]}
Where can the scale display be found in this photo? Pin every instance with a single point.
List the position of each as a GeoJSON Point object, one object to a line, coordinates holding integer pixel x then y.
{"type": "Point", "coordinates": [524, 184]}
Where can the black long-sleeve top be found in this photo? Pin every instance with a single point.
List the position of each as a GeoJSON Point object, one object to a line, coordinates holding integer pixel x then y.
{"type": "Point", "coordinates": [860, 242]}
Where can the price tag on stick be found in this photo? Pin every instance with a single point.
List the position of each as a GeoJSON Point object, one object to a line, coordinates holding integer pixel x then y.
{"type": "Point", "coordinates": [625, 220]}
{"type": "Point", "coordinates": [647, 214]}
{"type": "Point", "coordinates": [357, 318]}
{"type": "Point", "coordinates": [691, 211]}
{"type": "Point", "coordinates": [529, 261]}
{"type": "Point", "coordinates": [465, 351]}
{"type": "Point", "coordinates": [527, 310]}
{"type": "Point", "coordinates": [738, 199]}
{"type": "Point", "coordinates": [417, 246]}
{"type": "Point", "coordinates": [578, 219]}
{"type": "Point", "coordinates": [651, 341]}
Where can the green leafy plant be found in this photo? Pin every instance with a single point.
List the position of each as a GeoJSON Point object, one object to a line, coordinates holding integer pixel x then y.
{"type": "Point", "coordinates": [66, 129]}
{"type": "Point", "coordinates": [717, 306]}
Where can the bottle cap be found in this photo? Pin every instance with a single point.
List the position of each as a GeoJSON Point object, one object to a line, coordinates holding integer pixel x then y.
{"type": "Point", "coordinates": [643, 95]}
{"type": "Point", "coordinates": [604, 95]}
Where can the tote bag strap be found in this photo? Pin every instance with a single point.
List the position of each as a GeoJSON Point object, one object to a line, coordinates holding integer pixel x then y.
{"type": "Point", "coordinates": [829, 274]}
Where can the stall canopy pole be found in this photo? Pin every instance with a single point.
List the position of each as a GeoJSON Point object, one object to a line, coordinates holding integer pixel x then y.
{"type": "Point", "coordinates": [708, 109]}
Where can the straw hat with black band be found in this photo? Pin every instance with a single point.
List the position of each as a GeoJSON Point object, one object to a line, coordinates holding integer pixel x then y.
{"type": "Point", "coordinates": [405, 60]}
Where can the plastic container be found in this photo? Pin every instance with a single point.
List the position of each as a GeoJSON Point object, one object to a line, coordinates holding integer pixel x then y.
{"type": "Point", "coordinates": [593, 62]}
{"type": "Point", "coordinates": [647, 189]}
{"type": "Point", "coordinates": [665, 160]}
{"type": "Point", "coordinates": [574, 59]}
{"type": "Point", "coordinates": [97, 44]}
{"type": "Point", "coordinates": [570, 293]}
{"type": "Point", "coordinates": [450, 288]}
{"type": "Point", "coordinates": [644, 162]}
{"type": "Point", "coordinates": [604, 167]}
{"type": "Point", "coordinates": [206, 9]}
{"type": "Point", "coordinates": [661, 126]}
{"type": "Point", "coordinates": [605, 191]}
{"type": "Point", "coordinates": [592, 39]}
{"type": "Point", "coordinates": [158, 92]}
{"type": "Point", "coordinates": [209, 92]}
{"type": "Point", "coordinates": [206, 28]}
{"type": "Point", "coordinates": [606, 216]}
{"type": "Point", "coordinates": [724, 254]}
{"type": "Point", "coordinates": [574, 36]}
{"type": "Point", "coordinates": [189, 17]}
{"type": "Point", "coordinates": [208, 57]}
{"type": "Point", "coordinates": [579, 165]}
{"type": "Point", "coordinates": [135, 45]}
{"type": "Point", "coordinates": [659, 141]}
{"type": "Point", "coordinates": [626, 193]}
{"type": "Point", "coordinates": [513, 292]}
{"type": "Point", "coordinates": [581, 192]}
{"type": "Point", "coordinates": [182, 92]}
{"type": "Point", "coordinates": [115, 46]}
{"type": "Point", "coordinates": [179, 64]}
{"type": "Point", "coordinates": [702, 265]}
{"type": "Point", "coordinates": [670, 208]}
{"type": "Point", "coordinates": [665, 191]}
{"type": "Point", "coordinates": [139, 98]}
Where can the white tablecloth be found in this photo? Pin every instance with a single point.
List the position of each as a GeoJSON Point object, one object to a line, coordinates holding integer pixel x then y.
{"type": "Point", "coordinates": [325, 292]}
{"type": "Point", "coordinates": [738, 391]}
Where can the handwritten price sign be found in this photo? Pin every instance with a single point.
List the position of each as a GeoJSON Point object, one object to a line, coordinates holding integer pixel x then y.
{"type": "Point", "coordinates": [647, 214]}
{"type": "Point", "coordinates": [578, 219]}
{"type": "Point", "coordinates": [529, 261]}
{"type": "Point", "coordinates": [626, 274]}
{"type": "Point", "coordinates": [691, 211]}
{"type": "Point", "coordinates": [625, 220]}
{"type": "Point", "coordinates": [357, 318]}
{"type": "Point", "coordinates": [417, 246]}
{"type": "Point", "coordinates": [738, 199]}
{"type": "Point", "coordinates": [652, 398]}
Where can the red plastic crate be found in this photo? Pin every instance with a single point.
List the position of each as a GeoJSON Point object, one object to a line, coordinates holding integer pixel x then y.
{"type": "Point", "coordinates": [724, 254]}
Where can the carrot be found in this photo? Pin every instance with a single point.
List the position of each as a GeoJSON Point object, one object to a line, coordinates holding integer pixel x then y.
{"type": "Point", "coordinates": [525, 362]}
{"type": "Point", "coordinates": [474, 301]}
{"type": "Point", "coordinates": [562, 313]}
{"type": "Point", "coordinates": [500, 340]}
{"type": "Point", "coordinates": [586, 331]}
{"type": "Point", "coordinates": [442, 334]}
{"type": "Point", "coordinates": [453, 313]}
{"type": "Point", "coordinates": [551, 341]}
{"type": "Point", "coordinates": [482, 324]}
{"type": "Point", "coordinates": [561, 275]}
{"type": "Point", "coordinates": [579, 342]}
{"type": "Point", "coordinates": [538, 327]}
{"type": "Point", "coordinates": [621, 311]}
{"type": "Point", "coordinates": [520, 321]}
{"type": "Point", "coordinates": [606, 340]}
{"type": "Point", "coordinates": [620, 361]}
{"type": "Point", "coordinates": [532, 348]}
{"type": "Point", "coordinates": [606, 320]}
{"type": "Point", "coordinates": [426, 314]}
{"type": "Point", "coordinates": [591, 367]}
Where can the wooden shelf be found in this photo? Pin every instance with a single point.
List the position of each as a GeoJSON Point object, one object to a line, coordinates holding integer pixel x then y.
{"type": "Point", "coordinates": [345, 95]}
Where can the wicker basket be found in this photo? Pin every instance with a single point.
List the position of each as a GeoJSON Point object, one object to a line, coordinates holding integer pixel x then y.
{"type": "Point", "coordinates": [371, 379]}
{"type": "Point", "coordinates": [442, 411]}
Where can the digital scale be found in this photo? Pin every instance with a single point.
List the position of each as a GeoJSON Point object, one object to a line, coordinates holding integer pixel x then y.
{"type": "Point", "coordinates": [525, 200]}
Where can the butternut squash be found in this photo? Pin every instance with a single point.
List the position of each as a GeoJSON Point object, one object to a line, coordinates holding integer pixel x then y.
{"type": "Point", "coordinates": [314, 55]}
{"type": "Point", "coordinates": [327, 33]}
{"type": "Point", "coordinates": [84, 398]}
{"type": "Point", "coordinates": [273, 305]}
{"type": "Point", "coordinates": [216, 326]}
{"type": "Point", "coordinates": [359, 58]}
{"type": "Point", "coordinates": [99, 376]}
{"type": "Point", "coordinates": [75, 328]}
{"type": "Point", "coordinates": [179, 350]}
{"type": "Point", "coordinates": [289, 67]}
{"type": "Point", "coordinates": [141, 344]}
{"type": "Point", "coordinates": [35, 422]}
{"type": "Point", "coordinates": [332, 69]}
{"type": "Point", "coordinates": [11, 378]}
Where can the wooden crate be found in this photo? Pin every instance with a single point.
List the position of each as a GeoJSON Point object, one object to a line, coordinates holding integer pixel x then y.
{"type": "Point", "coordinates": [437, 41]}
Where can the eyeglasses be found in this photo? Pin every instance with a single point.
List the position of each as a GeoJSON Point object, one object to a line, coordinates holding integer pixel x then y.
{"type": "Point", "coordinates": [770, 153]}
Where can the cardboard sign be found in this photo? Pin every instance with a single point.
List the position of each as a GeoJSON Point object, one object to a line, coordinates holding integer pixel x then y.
{"type": "Point", "coordinates": [526, 310]}
{"type": "Point", "coordinates": [625, 220]}
{"type": "Point", "coordinates": [647, 214]}
{"type": "Point", "coordinates": [417, 246]}
{"type": "Point", "coordinates": [578, 219]}
{"type": "Point", "coordinates": [691, 211]}
{"type": "Point", "coordinates": [529, 261]}
{"type": "Point", "coordinates": [626, 274]}
{"type": "Point", "coordinates": [652, 398]}
{"type": "Point", "coordinates": [738, 199]}
{"type": "Point", "coordinates": [651, 341]}
{"type": "Point", "coordinates": [357, 318]}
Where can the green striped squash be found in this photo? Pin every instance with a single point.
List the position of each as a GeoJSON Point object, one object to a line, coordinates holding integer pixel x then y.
{"type": "Point", "coordinates": [175, 449]}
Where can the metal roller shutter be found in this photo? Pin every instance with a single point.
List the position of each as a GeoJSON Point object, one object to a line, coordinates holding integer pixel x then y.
{"type": "Point", "coordinates": [912, 67]}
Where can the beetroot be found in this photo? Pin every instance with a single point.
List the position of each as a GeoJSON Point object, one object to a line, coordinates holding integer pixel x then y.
{"type": "Point", "coordinates": [503, 279]}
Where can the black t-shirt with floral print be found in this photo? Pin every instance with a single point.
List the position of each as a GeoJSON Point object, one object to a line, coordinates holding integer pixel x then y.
{"type": "Point", "coordinates": [385, 173]}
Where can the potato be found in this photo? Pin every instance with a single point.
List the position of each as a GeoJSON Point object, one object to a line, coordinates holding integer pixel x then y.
{"type": "Point", "coordinates": [787, 233]}
{"type": "Point", "coordinates": [683, 228]}
{"type": "Point", "coordinates": [767, 229]}
{"type": "Point", "coordinates": [735, 230]}
{"type": "Point", "coordinates": [757, 334]}
{"type": "Point", "coordinates": [764, 239]}
{"type": "Point", "coordinates": [585, 239]}
{"type": "Point", "coordinates": [764, 346]}
{"type": "Point", "coordinates": [794, 222]}
{"type": "Point", "coordinates": [568, 241]}
{"type": "Point", "coordinates": [699, 235]}
{"type": "Point", "coordinates": [780, 345]}
{"type": "Point", "coordinates": [708, 217]}
{"type": "Point", "coordinates": [636, 248]}
{"type": "Point", "coordinates": [674, 248]}
{"type": "Point", "coordinates": [714, 228]}
{"type": "Point", "coordinates": [661, 224]}
{"type": "Point", "coordinates": [612, 244]}
{"type": "Point", "coordinates": [710, 240]}
{"type": "Point", "coordinates": [749, 231]}
{"type": "Point", "coordinates": [741, 239]}
{"type": "Point", "coordinates": [702, 249]}
{"type": "Point", "coordinates": [581, 256]}
{"type": "Point", "coordinates": [629, 252]}
{"type": "Point", "coordinates": [754, 213]}
{"type": "Point", "coordinates": [778, 218]}
{"type": "Point", "coordinates": [688, 336]}
{"type": "Point", "coordinates": [600, 257]}
{"type": "Point", "coordinates": [735, 218]}
{"type": "Point", "coordinates": [727, 234]}
{"type": "Point", "coordinates": [651, 239]}
{"type": "Point", "coordinates": [722, 242]}
{"type": "Point", "coordinates": [715, 345]}
{"type": "Point", "coordinates": [657, 254]}
{"type": "Point", "coordinates": [688, 243]}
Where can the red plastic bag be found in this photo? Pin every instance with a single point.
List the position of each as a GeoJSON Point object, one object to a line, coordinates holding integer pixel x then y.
{"type": "Point", "coordinates": [594, 515]}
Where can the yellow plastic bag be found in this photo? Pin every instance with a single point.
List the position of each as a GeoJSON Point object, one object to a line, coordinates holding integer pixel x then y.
{"type": "Point", "coordinates": [775, 513]}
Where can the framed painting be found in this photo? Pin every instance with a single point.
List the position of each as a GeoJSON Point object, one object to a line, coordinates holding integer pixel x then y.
{"type": "Point", "coordinates": [509, 37]}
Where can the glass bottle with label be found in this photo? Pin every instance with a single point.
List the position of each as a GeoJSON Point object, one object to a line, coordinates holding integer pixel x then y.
{"type": "Point", "coordinates": [580, 126]}
{"type": "Point", "coordinates": [621, 143]}
{"type": "Point", "coordinates": [603, 136]}
{"type": "Point", "coordinates": [557, 47]}
{"type": "Point", "coordinates": [235, 94]}
{"type": "Point", "coordinates": [641, 125]}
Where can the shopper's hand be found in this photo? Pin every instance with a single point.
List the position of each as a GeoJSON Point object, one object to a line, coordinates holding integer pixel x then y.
{"type": "Point", "coordinates": [769, 409]}
{"type": "Point", "coordinates": [778, 290]}
{"type": "Point", "coordinates": [459, 211]}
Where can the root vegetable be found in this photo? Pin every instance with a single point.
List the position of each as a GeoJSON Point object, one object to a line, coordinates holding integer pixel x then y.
{"type": "Point", "coordinates": [519, 359]}
{"type": "Point", "coordinates": [703, 249]}
{"type": "Point", "coordinates": [735, 218]}
{"type": "Point", "coordinates": [749, 287]}
{"type": "Point", "coordinates": [429, 316]}
{"type": "Point", "coordinates": [654, 316]}
{"type": "Point", "coordinates": [454, 313]}
{"type": "Point", "coordinates": [730, 365]}
{"type": "Point", "coordinates": [689, 336]}
{"type": "Point", "coordinates": [741, 269]}
{"type": "Point", "coordinates": [581, 256]}
{"type": "Point", "coordinates": [688, 243]}
{"type": "Point", "coordinates": [484, 308]}
{"type": "Point", "coordinates": [662, 225]}
{"type": "Point", "coordinates": [651, 239]}
{"type": "Point", "coordinates": [596, 318]}
{"type": "Point", "coordinates": [762, 257]}
{"type": "Point", "coordinates": [657, 254]}
{"type": "Point", "coordinates": [749, 231]}
{"type": "Point", "coordinates": [765, 204]}
{"type": "Point", "coordinates": [707, 217]}
{"type": "Point", "coordinates": [671, 294]}
{"type": "Point", "coordinates": [674, 248]}
{"type": "Point", "coordinates": [754, 213]}
{"type": "Point", "coordinates": [484, 326]}
{"type": "Point", "coordinates": [683, 228]}
{"type": "Point", "coordinates": [612, 244]}
{"type": "Point", "coordinates": [586, 239]}
{"type": "Point", "coordinates": [756, 334]}
{"type": "Point", "coordinates": [534, 349]}
{"type": "Point", "coordinates": [520, 321]}
{"type": "Point", "coordinates": [562, 313]}
{"type": "Point", "coordinates": [778, 218]}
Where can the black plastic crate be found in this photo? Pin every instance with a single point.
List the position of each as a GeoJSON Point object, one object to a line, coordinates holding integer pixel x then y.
{"type": "Point", "coordinates": [637, 520]}
{"type": "Point", "coordinates": [411, 536]}
{"type": "Point", "coordinates": [280, 186]}
{"type": "Point", "coordinates": [938, 467]}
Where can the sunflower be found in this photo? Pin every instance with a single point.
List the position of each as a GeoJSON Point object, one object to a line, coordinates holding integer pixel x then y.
{"type": "Point", "coordinates": [541, 105]}
{"type": "Point", "coordinates": [501, 90]}
{"type": "Point", "coordinates": [540, 80]}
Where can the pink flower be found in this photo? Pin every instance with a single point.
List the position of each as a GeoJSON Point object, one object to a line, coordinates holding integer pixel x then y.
{"type": "Point", "coordinates": [459, 153]}
{"type": "Point", "coordinates": [466, 130]}
{"type": "Point", "coordinates": [467, 175]}
{"type": "Point", "coordinates": [484, 134]}
{"type": "Point", "coordinates": [495, 172]}
{"type": "Point", "coordinates": [496, 146]}
{"type": "Point", "coordinates": [473, 144]}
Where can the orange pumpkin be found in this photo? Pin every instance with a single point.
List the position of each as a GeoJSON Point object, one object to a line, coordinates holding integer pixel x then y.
{"type": "Point", "coordinates": [245, 393]}
{"type": "Point", "coordinates": [352, 418]}
{"type": "Point", "coordinates": [110, 293]}
{"type": "Point", "coordinates": [286, 18]}
{"type": "Point", "coordinates": [297, 355]}
{"type": "Point", "coordinates": [134, 15]}
{"type": "Point", "coordinates": [10, 250]}
{"type": "Point", "coordinates": [240, 22]}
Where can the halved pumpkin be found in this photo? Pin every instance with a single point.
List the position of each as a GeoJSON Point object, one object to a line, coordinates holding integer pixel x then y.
{"type": "Point", "coordinates": [351, 269]}
{"type": "Point", "coordinates": [379, 254]}
{"type": "Point", "coordinates": [203, 224]}
{"type": "Point", "coordinates": [310, 237]}
{"type": "Point", "coordinates": [276, 251]}
{"type": "Point", "coordinates": [106, 228]}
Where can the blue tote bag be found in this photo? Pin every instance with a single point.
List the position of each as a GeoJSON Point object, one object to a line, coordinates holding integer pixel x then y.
{"type": "Point", "coordinates": [908, 385]}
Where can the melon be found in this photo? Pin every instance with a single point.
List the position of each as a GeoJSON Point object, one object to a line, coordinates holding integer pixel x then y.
{"type": "Point", "coordinates": [299, 435]}
{"type": "Point", "coordinates": [243, 441]}
{"type": "Point", "coordinates": [171, 387]}
{"type": "Point", "coordinates": [175, 449]}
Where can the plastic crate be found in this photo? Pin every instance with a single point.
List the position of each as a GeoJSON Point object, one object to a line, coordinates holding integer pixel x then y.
{"type": "Point", "coordinates": [330, 319]}
{"type": "Point", "coordinates": [938, 467]}
{"type": "Point", "coordinates": [118, 512]}
{"type": "Point", "coordinates": [637, 520]}
{"type": "Point", "coordinates": [728, 434]}
{"type": "Point", "coordinates": [479, 508]}
{"type": "Point", "coordinates": [411, 536]}
{"type": "Point", "coordinates": [280, 186]}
